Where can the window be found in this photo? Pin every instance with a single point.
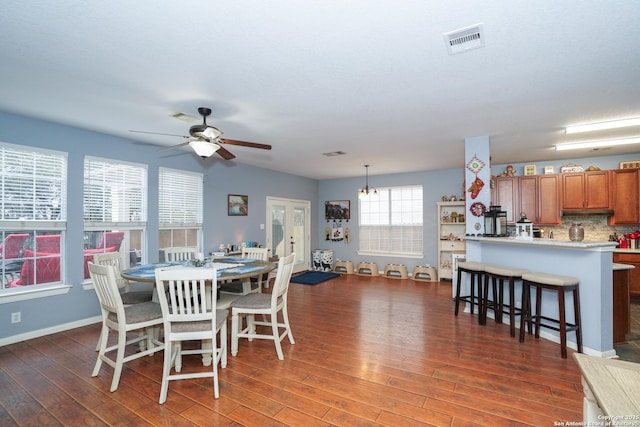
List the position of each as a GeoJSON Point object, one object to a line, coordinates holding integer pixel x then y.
{"type": "Point", "coordinates": [115, 216]}
{"type": "Point", "coordinates": [391, 223]}
{"type": "Point", "coordinates": [180, 208]}
{"type": "Point", "coordinates": [32, 216]}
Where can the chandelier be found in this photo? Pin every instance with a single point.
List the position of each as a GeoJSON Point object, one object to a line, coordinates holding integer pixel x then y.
{"type": "Point", "coordinates": [367, 191]}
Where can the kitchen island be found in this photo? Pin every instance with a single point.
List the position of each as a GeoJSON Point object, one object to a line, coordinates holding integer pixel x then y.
{"type": "Point", "coordinates": [591, 262]}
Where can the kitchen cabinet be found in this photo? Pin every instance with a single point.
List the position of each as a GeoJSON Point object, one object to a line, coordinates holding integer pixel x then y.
{"type": "Point", "coordinates": [537, 196]}
{"type": "Point", "coordinates": [451, 226]}
{"type": "Point", "coordinates": [634, 275]}
{"type": "Point", "coordinates": [585, 190]}
{"type": "Point", "coordinates": [506, 196]}
{"type": "Point", "coordinates": [625, 196]}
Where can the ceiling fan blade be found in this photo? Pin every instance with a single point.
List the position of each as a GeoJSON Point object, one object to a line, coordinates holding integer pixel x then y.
{"type": "Point", "coordinates": [175, 146]}
{"type": "Point", "coordinates": [158, 133]}
{"type": "Point", "coordinates": [244, 143]}
{"type": "Point", "coordinates": [225, 154]}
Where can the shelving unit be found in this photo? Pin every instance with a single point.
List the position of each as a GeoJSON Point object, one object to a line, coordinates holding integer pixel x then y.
{"type": "Point", "coordinates": [451, 226]}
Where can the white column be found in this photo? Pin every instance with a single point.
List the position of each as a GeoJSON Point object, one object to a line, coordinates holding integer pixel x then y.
{"type": "Point", "coordinates": [477, 150]}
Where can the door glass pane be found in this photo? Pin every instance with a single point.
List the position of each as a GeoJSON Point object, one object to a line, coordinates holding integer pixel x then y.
{"type": "Point", "coordinates": [278, 226]}
{"type": "Point", "coordinates": [298, 234]}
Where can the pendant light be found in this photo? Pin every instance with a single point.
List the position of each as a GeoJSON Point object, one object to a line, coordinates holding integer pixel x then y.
{"type": "Point", "coordinates": [367, 191]}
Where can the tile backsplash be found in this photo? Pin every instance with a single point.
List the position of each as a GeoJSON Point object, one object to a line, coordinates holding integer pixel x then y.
{"type": "Point", "coordinates": [596, 228]}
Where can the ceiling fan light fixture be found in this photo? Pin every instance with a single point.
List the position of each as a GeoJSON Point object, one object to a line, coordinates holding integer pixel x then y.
{"type": "Point", "coordinates": [211, 132]}
{"type": "Point", "coordinates": [613, 124]}
{"type": "Point", "coordinates": [597, 144]}
{"type": "Point", "coordinates": [204, 149]}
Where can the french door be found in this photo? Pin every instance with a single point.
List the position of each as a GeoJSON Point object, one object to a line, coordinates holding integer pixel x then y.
{"type": "Point", "coordinates": [289, 230]}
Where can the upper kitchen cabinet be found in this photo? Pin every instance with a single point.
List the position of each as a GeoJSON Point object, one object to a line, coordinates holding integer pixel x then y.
{"type": "Point", "coordinates": [506, 196]}
{"type": "Point", "coordinates": [585, 190]}
{"type": "Point", "coordinates": [539, 198]}
{"type": "Point", "coordinates": [625, 196]}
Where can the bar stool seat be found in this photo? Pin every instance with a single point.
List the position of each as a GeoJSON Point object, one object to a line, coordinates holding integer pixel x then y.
{"type": "Point", "coordinates": [560, 285]}
{"type": "Point", "coordinates": [495, 274]}
{"type": "Point", "coordinates": [475, 270]}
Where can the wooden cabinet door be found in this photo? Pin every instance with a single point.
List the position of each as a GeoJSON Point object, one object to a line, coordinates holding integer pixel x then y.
{"type": "Point", "coordinates": [506, 197]}
{"type": "Point", "coordinates": [573, 190]}
{"type": "Point", "coordinates": [585, 190]}
{"type": "Point", "coordinates": [625, 196]}
{"type": "Point", "coordinates": [597, 190]}
{"type": "Point", "coordinates": [528, 197]}
{"type": "Point", "coordinates": [631, 259]}
{"type": "Point", "coordinates": [549, 199]}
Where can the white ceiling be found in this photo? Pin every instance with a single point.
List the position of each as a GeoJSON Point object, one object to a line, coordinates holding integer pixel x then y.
{"type": "Point", "coordinates": [371, 78]}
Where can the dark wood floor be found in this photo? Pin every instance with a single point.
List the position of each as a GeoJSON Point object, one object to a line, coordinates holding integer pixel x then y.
{"type": "Point", "coordinates": [369, 351]}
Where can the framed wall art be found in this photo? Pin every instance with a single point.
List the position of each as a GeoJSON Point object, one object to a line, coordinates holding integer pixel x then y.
{"type": "Point", "coordinates": [238, 205]}
{"type": "Point", "coordinates": [630, 164]}
{"type": "Point", "coordinates": [337, 209]}
{"type": "Point", "coordinates": [530, 170]}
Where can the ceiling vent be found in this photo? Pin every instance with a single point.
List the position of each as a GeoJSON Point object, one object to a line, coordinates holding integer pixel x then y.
{"type": "Point", "coordinates": [184, 117]}
{"type": "Point", "coordinates": [464, 39]}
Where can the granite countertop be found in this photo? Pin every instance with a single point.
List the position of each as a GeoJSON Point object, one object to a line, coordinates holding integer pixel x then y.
{"type": "Point", "coordinates": [545, 242]}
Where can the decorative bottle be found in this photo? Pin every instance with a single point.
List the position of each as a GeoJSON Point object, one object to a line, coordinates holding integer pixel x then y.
{"type": "Point", "coordinates": [576, 233]}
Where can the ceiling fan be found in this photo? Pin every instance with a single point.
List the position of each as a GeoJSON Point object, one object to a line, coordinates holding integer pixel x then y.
{"type": "Point", "coordinates": [205, 139]}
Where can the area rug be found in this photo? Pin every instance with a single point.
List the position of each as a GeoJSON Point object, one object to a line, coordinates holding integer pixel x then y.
{"type": "Point", "coordinates": [313, 277]}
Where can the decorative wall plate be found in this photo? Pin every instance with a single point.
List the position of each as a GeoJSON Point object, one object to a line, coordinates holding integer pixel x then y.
{"type": "Point", "coordinates": [477, 209]}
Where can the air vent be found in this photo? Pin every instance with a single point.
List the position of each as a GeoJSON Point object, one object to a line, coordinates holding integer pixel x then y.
{"type": "Point", "coordinates": [465, 39]}
{"type": "Point", "coordinates": [334, 153]}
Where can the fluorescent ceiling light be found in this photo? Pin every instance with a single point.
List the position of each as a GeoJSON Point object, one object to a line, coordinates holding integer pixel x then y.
{"type": "Point", "coordinates": [597, 144]}
{"type": "Point", "coordinates": [614, 124]}
{"type": "Point", "coordinates": [204, 149]}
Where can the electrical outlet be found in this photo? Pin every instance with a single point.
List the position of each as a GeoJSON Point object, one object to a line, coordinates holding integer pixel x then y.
{"type": "Point", "coordinates": [16, 317]}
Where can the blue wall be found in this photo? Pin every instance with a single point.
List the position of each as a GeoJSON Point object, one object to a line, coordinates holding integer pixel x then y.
{"type": "Point", "coordinates": [221, 178]}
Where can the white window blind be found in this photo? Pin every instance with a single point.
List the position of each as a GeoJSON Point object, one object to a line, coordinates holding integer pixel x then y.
{"type": "Point", "coordinates": [33, 184]}
{"type": "Point", "coordinates": [114, 192]}
{"type": "Point", "coordinates": [391, 223]}
{"type": "Point", "coordinates": [180, 198]}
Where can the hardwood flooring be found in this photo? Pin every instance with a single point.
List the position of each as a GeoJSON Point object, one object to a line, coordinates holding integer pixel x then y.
{"type": "Point", "coordinates": [369, 351]}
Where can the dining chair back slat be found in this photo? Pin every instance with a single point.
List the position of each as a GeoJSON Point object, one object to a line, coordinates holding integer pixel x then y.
{"type": "Point", "coordinates": [188, 297]}
{"type": "Point", "coordinates": [181, 253]}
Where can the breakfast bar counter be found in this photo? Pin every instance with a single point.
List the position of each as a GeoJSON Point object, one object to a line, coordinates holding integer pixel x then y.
{"type": "Point", "coordinates": [590, 262]}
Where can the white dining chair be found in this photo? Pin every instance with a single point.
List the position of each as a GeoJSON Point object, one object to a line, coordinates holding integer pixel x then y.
{"type": "Point", "coordinates": [121, 319]}
{"type": "Point", "coordinates": [266, 304]}
{"type": "Point", "coordinates": [261, 254]}
{"type": "Point", "coordinates": [181, 253]}
{"type": "Point", "coordinates": [116, 259]}
{"type": "Point", "coordinates": [184, 294]}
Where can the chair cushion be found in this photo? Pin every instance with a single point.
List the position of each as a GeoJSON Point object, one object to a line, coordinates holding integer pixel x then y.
{"type": "Point", "coordinates": [471, 265]}
{"type": "Point", "coordinates": [181, 327]}
{"type": "Point", "coordinates": [505, 271]}
{"type": "Point", "coordinates": [551, 279]}
{"type": "Point", "coordinates": [253, 301]}
{"type": "Point", "coordinates": [137, 313]}
{"type": "Point", "coordinates": [136, 297]}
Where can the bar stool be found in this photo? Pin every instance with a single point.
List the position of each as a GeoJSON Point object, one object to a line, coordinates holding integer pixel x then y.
{"type": "Point", "coordinates": [498, 275]}
{"type": "Point", "coordinates": [560, 285]}
{"type": "Point", "coordinates": [475, 270]}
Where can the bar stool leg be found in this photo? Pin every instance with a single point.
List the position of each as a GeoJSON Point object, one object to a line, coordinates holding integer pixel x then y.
{"type": "Point", "coordinates": [563, 324]}
{"type": "Point", "coordinates": [578, 319]}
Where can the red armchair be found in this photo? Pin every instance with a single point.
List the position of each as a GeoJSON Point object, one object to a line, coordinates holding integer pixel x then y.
{"type": "Point", "coordinates": [12, 245]}
{"type": "Point", "coordinates": [48, 243]}
{"type": "Point", "coordinates": [111, 238]}
{"type": "Point", "coordinates": [46, 269]}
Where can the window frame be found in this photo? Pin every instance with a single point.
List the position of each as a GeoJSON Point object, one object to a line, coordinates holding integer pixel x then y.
{"type": "Point", "coordinates": [49, 175]}
{"type": "Point", "coordinates": [398, 212]}
{"type": "Point", "coordinates": [187, 187]}
{"type": "Point", "coordinates": [125, 213]}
